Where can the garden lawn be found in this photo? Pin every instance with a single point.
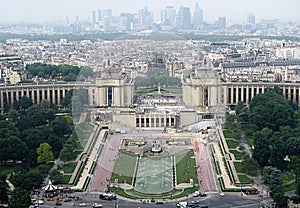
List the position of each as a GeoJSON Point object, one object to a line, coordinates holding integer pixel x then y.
{"type": "Point", "coordinates": [238, 167]}
{"type": "Point", "coordinates": [238, 155]}
{"type": "Point", "coordinates": [124, 168]}
{"type": "Point", "coordinates": [232, 144]}
{"type": "Point", "coordinates": [186, 168]}
{"type": "Point", "coordinates": [245, 179]}
{"type": "Point", "coordinates": [69, 167]}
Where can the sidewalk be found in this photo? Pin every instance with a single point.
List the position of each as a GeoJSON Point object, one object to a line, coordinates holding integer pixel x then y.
{"type": "Point", "coordinates": [92, 157]}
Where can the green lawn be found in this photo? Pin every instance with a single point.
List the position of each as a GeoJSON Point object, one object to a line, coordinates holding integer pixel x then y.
{"type": "Point", "coordinates": [185, 168]}
{"type": "Point", "coordinates": [227, 133]}
{"type": "Point", "coordinates": [65, 179]}
{"type": "Point", "coordinates": [238, 155]}
{"type": "Point", "coordinates": [244, 179]}
{"type": "Point", "coordinates": [232, 144]}
{"type": "Point", "coordinates": [124, 168]}
{"type": "Point", "coordinates": [145, 91]}
{"type": "Point", "coordinates": [69, 167]}
{"type": "Point", "coordinates": [170, 90]}
{"type": "Point", "coordinates": [174, 90]}
{"type": "Point", "coordinates": [229, 125]}
{"type": "Point", "coordinates": [290, 187]}
{"type": "Point", "coordinates": [6, 170]}
{"type": "Point", "coordinates": [250, 140]}
{"type": "Point", "coordinates": [286, 177]}
{"type": "Point", "coordinates": [238, 167]}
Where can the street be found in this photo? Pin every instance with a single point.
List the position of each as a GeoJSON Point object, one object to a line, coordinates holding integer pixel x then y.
{"type": "Point", "coordinates": [229, 200]}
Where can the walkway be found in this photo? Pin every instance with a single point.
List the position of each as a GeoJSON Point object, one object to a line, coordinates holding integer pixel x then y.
{"type": "Point", "coordinates": [206, 174]}
{"type": "Point", "coordinates": [92, 157]}
{"type": "Point", "coordinates": [105, 164]}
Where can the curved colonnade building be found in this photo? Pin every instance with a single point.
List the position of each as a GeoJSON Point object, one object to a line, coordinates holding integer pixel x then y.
{"type": "Point", "coordinates": [204, 95]}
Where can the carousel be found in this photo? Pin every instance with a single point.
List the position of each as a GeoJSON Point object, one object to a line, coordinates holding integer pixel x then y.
{"type": "Point", "coordinates": [50, 190]}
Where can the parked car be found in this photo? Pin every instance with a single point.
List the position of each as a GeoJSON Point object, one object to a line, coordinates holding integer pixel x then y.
{"type": "Point", "coordinates": [95, 205]}
{"type": "Point", "coordinates": [196, 193]}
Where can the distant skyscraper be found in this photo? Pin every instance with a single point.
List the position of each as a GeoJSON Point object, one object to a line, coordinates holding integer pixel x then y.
{"type": "Point", "coordinates": [126, 20]}
{"type": "Point", "coordinates": [93, 17]}
{"type": "Point", "coordinates": [146, 18]}
{"type": "Point", "coordinates": [99, 15]}
{"type": "Point", "coordinates": [107, 12]}
{"type": "Point", "coordinates": [168, 15]}
{"type": "Point", "coordinates": [198, 16]}
{"type": "Point", "coordinates": [185, 15]}
{"type": "Point", "coordinates": [106, 20]}
{"type": "Point", "coordinates": [222, 22]}
{"type": "Point", "coordinates": [251, 18]}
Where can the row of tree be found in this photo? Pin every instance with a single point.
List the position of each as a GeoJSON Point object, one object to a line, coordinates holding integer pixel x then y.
{"type": "Point", "coordinates": [157, 77]}
{"type": "Point", "coordinates": [62, 72]}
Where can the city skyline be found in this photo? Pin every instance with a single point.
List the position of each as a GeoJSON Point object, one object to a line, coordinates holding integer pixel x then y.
{"type": "Point", "coordinates": [35, 11]}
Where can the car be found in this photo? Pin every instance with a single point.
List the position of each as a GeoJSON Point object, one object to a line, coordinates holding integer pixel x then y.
{"type": "Point", "coordinates": [67, 200]}
{"type": "Point", "coordinates": [58, 204]}
{"type": "Point", "coordinates": [196, 193]}
{"type": "Point", "coordinates": [108, 197]}
{"type": "Point", "coordinates": [39, 202]}
{"type": "Point", "coordinates": [159, 202]}
{"type": "Point", "coordinates": [96, 205]}
{"type": "Point", "coordinates": [203, 195]}
{"type": "Point", "coordinates": [221, 194]}
{"type": "Point", "coordinates": [182, 204]}
{"type": "Point", "coordinates": [82, 205]}
{"type": "Point", "coordinates": [195, 202]}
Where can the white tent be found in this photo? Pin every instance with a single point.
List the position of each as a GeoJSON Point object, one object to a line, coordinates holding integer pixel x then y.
{"type": "Point", "coordinates": [50, 186]}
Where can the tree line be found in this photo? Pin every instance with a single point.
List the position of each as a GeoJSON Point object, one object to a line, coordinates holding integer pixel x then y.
{"type": "Point", "coordinates": [62, 72]}
{"type": "Point", "coordinates": [157, 77]}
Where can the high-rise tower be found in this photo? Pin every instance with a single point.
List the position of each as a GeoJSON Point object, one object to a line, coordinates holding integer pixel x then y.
{"type": "Point", "coordinates": [93, 17]}
{"type": "Point", "coordinates": [198, 16]}
{"type": "Point", "coordinates": [251, 18]}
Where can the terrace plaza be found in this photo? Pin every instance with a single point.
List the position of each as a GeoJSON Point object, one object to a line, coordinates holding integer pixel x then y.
{"type": "Point", "coordinates": [145, 140]}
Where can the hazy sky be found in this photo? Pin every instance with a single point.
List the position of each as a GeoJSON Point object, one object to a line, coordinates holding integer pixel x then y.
{"type": "Point", "coordinates": [12, 11]}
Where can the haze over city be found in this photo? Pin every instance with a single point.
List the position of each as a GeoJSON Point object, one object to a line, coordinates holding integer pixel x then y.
{"type": "Point", "coordinates": [36, 11]}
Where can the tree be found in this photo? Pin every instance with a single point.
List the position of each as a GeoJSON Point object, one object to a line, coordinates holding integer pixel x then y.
{"type": "Point", "coordinates": [20, 199]}
{"type": "Point", "coordinates": [277, 194]}
{"type": "Point", "coordinates": [67, 100]}
{"type": "Point", "coordinates": [271, 110]}
{"type": "Point", "coordinates": [250, 165]}
{"type": "Point", "coordinates": [56, 176]}
{"type": "Point", "coordinates": [45, 154]}
{"type": "Point", "coordinates": [86, 72]}
{"type": "Point", "coordinates": [271, 176]}
{"type": "Point", "coordinates": [277, 153]}
{"type": "Point", "coordinates": [238, 108]}
{"type": "Point", "coordinates": [261, 152]}
{"type": "Point", "coordinates": [23, 104]}
{"type": "Point", "coordinates": [3, 192]}
{"type": "Point", "coordinates": [32, 179]}
{"type": "Point", "coordinates": [13, 115]}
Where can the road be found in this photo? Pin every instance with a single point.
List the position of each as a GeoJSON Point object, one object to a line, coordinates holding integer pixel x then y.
{"type": "Point", "coordinates": [230, 200]}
